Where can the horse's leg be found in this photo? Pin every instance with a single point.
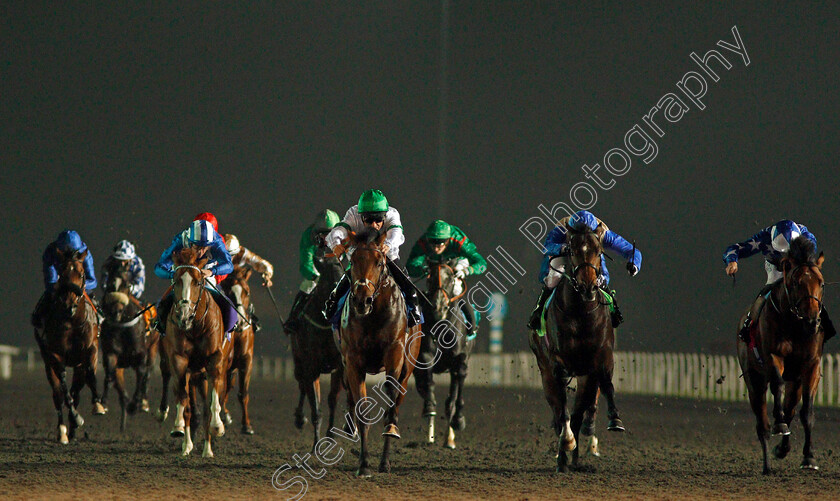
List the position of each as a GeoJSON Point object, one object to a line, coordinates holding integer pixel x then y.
{"type": "Point", "coordinates": [300, 418]}
{"type": "Point", "coordinates": [451, 402]}
{"type": "Point", "coordinates": [777, 368]}
{"type": "Point", "coordinates": [460, 422]}
{"type": "Point", "coordinates": [190, 417]}
{"type": "Point", "coordinates": [119, 385]}
{"type": "Point", "coordinates": [757, 388]}
{"type": "Point", "coordinates": [561, 418]}
{"type": "Point", "coordinates": [585, 397]}
{"type": "Point", "coordinates": [228, 386]}
{"type": "Point", "coordinates": [356, 391]}
{"type": "Point", "coordinates": [587, 429]}
{"type": "Point", "coordinates": [216, 384]}
{"type": "Point", "coordinates": [607, 388]}
{"type": "Point", "coordinates": [332, 398]}
{"type": "Point", "coordinates": [313, 392]}
{"type": "Point", "coordinates": [806, 415]}
{"type": "Point", "coordinates": [58, 392]}
{"type": "Point", "coordinates": [245, 365]}
{"type": "Point", "coordinates": [73, 393]}
{"type": "Point", "coordinates": [141, 371]}
{"type": "Point", "coordinates": [180, 392]}
{"type": "Point", "coordinates": [424, 380]}
{"type": "Point", "coordinates": [151, 353]}
{"type": "Point", "coordinates": [793, 394]}
{"type": "Point", "coordinates": [166, 376]}
{"type": "Point", "coordinates": [109, 365]}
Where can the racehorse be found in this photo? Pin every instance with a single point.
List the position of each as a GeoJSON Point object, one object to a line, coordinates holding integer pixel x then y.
{"type": "Point", "coordinates": [578, 342]}
{"type": "Point", "coordinates": [789, 339]}
{"type": "Point", "coordinates": [195, 343]}
{"type": "Point", "coordinates": [68, 339]}
{"type": "Point", "coordinates": [235, 286]}
{"type": "Point", "coordinates": [126, 341]}
{"type": "Point", "coordinates": [314, 349]}
{"type": "Point", "coordinates": [445, 347]}
{"type": "Point", "coordinates": [374, 338]}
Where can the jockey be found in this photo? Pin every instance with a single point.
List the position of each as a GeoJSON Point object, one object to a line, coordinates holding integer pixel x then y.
{"type": "Point", "coordinates": [313, 237]}
{"type": "Point", "coordinates": [123, 255]}
{"type": "Point", "coordinates": [555, 245]}
{"type": "Point", "coordinates": [68, 241]}
{"type": "Point", "coordinates": [772, 242]}
{"type": "Point", "coordinates": [443, 242]}
{"type": "Point", "coordinates": [244, 258]}
{"type": "Point", "coordinates": [202, 237]}
{"type": "Point", "coordinates": [210, 218]}
{"type": "Point", "coordinates": [373, 211]}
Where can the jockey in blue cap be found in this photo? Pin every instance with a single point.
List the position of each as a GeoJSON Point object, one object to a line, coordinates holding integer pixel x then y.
{"type": "Point", "coordinates": [555, 246]}
{"type": "Point", "coordinates": [773, 242]}
{"type": "Point", "coordinates": [203, 237]}
{"type": "Point", "coordinates": [67, 242]}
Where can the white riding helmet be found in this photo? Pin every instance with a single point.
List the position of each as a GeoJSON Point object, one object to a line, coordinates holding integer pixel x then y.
{"type": "Point", "coordinates": [232, 244]}
{"type": "Point", "coordinates": [124, 250]}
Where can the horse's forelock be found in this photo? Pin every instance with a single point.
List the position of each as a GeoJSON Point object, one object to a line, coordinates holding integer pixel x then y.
{"type": "Point", "coordinates": [802, 250]}
{"type": "Point", "coordinates": [187, 255]}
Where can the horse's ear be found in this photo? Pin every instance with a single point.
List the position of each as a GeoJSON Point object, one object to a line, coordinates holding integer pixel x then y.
{"type": "Point", "coordinates": [820, 260]}
{"type": "Point", "coordinates": [84, 255]}
{"type": "Point", "coordinates": [201, 262]}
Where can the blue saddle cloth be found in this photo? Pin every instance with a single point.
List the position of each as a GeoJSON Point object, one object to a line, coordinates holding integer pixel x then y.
{"type": "Point", "coordinates": [336, 319]}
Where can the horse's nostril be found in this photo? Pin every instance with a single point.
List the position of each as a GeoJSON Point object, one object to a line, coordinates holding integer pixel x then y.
{"type": "Point", "coordinates": [368, 300]}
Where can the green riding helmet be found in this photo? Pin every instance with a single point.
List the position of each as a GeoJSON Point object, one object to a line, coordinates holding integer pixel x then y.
{"type": "Point", "coordinates": [373, 201]}
{"type": "Point", "coordinates": [439, 230]}
{"type": "Point", "coordinates": [325, 220]}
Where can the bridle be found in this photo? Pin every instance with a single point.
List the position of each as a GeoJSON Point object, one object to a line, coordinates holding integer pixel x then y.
{"type": "Point", "coordinates": [439, 284]}
{"type": "Point", "coordinates": [192, 306]}
{"type": "Point", "coordinates": [578, 286]}
{"type": "Point", "coordinates": [368, 284]}
{"type": "Point", "coordinates": [794, 306]}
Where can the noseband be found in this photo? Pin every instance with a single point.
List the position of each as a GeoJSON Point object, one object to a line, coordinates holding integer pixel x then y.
{"type": "Point", "coordinates": [794, 306]}
{"type": "Point", "coordinates": [192, 305]}
{"type": "Point", "coordinates": [368, 284]}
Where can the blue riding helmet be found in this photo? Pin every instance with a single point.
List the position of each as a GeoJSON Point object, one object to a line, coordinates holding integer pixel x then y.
{"type": "Point", "coordinates": [583, 221]}
{"type": "Point", "coordinates": [201, 233]}
{"type": "Point", "coordinates": [783, 233]}
{"type": "Point", "coordinates": [68, 240]}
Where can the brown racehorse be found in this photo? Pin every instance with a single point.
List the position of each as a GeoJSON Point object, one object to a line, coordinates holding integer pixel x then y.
{"type": "Point", "coordinates": [68, 339]}
{"type": "Point", "coordinates": [235, 286]}
{"type": "Point", "coordinates": [789, 339]}
{"type": "Point", "coordinates": [126, 340]}
{"type": "Point", "coordinates": [314, 348]}
{"type": "Point", "coordinates": [578, 342]}
{"type": "Point", "coordinates": [374, 338]}
{"type": "Point", "coordinates": [443, 350]}
{"type": "Point", "coordinates": [195, 344]}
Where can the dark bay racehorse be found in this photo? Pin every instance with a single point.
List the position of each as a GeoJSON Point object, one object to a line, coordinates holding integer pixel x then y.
{"type": "Point", "coordinates": [126, 341]}
{"type": "Point", "coordinates": [789, 339]}
{"type": "Point", "coordinates": [314, 349]}
{"type": "Point", "coordinates": [68, 339]}
{"type": "Point", "coordinates": [578, 342]}
{"type": "Point", "coordinates": [445, 347]}
{"type": "Point", "coordinates": [196, 347]}
{"type": "Point", "coordinates": [236, 288]}
{"type": "Point", "coordinates": [375, 338]}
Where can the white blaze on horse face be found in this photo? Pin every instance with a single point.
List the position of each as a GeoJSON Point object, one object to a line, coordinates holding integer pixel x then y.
{"type": "Point", "coordinates": [183, 309]}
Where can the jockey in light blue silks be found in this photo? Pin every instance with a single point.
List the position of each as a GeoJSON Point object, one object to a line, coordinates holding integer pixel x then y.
{"type": "Point", "coordinates": [203, 237]}
{"type": "Point", "coordinates": [773, 242]}
{"type": "Point", "coordinates": [554, 261]}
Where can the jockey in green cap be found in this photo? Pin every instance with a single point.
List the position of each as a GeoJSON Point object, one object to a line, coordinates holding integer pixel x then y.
{"type": "Point", "coordinates": [373, 211]}
{"type": "Point", "coordinates": [313, 237]}
{"type": "Point", "coordinates": [443, 242]}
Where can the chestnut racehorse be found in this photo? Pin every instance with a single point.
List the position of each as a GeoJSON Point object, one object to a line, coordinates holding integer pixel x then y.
{"type": "Point", "coordinates": [195, 344]}
{"type": "Point", "coordinates": [789, 339]}
{"type": "Point", "coordinates": [235, 286]}
{"type": "Point", "coordinates": [579, 341]}
{"type": "Point", "coordinates": [375, 338]}
{"type": "Point", "coordinates": [68, 339]}
{"type": "Point", "coordinates": [445, 347]}
{"type": "Point", "coordinates": [314, 348]}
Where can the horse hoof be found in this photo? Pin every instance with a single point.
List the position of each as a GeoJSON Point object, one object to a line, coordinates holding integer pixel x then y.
{"type": "Point", "coordinates": [99, 409]}
{"type": "Point", "coordinates": [247, 430]}
{"type": "Point", "coordinates": [80, 421]}
{"type": "Point", "coordinates": [809, 464]}
{"type": "Point", "coordinates": [392, 431]}
{"type": "Point", "coordinates": [780, 429]}
{"type": "Point", "coordinates": [177, 432]}
{"type": "Point", "coordinates": [144, 406]}
{"type": "Point", "coordinates": [460, 423]}
{"type": "Point", "coordinates": [562, 468]}
{"type": "Point", "coordinates": [62, 435]}
{"type": "Point", "coordinates": [364, 472]}
{"type": "Point", "coordinates": [217, 431]}
{"type": "Point", "coordinates": [228, 418]}
{"type": "Point", "coordinates": [615, 425]}
{"type": "Point", "coordinates": [161, 414]}
{"type": "Point", "coordinates": [385, 467]}
{"type": "Point", "coordinates": [449, 445]}
{"type": "Point", "coordinates": [780, 452]}
{"type": "Point", "coordinates": [300, 421]}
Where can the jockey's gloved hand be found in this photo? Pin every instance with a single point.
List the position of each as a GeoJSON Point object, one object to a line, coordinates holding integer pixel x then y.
{"type": "Point", "coordinates": [632, 269]}
{"type": "Point", "coordinates": [461, 273]}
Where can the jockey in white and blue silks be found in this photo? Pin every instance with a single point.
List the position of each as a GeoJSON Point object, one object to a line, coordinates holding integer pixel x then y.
{"type": "Point", "coordinates": [551, 271]}
{"type": "Point", "coordinates": [202, 237]}
{"type": "Point", "coordinates": [126, 256]}
{"type": "Point", "coordinates": [773, 242]}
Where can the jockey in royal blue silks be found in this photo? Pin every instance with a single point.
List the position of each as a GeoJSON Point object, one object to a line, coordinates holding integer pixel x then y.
{"type": "Point", "coordinates": [203, 237]}
{"type": "Point", "coordinates": [773, 242]}
{"type": "Point", "coordinates": [554, 261]}
{"type": "Point", "coordinates": [68, 241]}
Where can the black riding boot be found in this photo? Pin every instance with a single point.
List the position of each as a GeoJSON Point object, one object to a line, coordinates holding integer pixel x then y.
{"type": "Point", "coordinates": [293, 322]}
{"type": "Point", "coordinates": [755, 310]}
{"type": "Point", "coordinates": [469, 312]}
{"type": "Point", "coordinates": [255, 321]}
{"type": "Point", "coordinates": [827, 325]}
{"type": "Point", "coordinates": [405, 285]}
{"type": "Point", "coordinates": [163, 313]}
{"type": "Point", "coordinates": [534, 321]}
{"type": "Point", "coordinates": [617, 317]}
{"type": "Point", "coordinates": [340, 290]}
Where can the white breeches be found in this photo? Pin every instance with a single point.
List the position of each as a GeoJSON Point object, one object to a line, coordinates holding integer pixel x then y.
{"type": "Point", "coordinates": [307, 286]}
{"type": "Point", "coordinates": [772, 273]}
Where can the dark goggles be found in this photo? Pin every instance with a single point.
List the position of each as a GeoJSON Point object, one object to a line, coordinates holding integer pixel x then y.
{"type": "Point", "coordinates": [374, 217]}
{"type": "Point", "coordinates": [437, 241]}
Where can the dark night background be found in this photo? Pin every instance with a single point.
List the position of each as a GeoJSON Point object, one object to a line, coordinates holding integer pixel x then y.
{"type": "Point", "coordinates": [123, 121]}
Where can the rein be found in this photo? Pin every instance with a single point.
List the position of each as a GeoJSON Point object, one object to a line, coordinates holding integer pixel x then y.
{"type": "Point", "coordinates": [369, 284]}
{"type": "Point", "coordinates": [794, 306]}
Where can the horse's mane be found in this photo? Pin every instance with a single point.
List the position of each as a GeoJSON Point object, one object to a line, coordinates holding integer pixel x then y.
{"type": "Point", "coordinates": [187, 255]}
{"type": "Point", "coordinates": [367, 235]}
{"type": "Point", "coordinates": [802, 250]}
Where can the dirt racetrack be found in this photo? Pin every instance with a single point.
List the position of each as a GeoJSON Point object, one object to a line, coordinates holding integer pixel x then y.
{"type": "Point", "coordinates": [674, 449]}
